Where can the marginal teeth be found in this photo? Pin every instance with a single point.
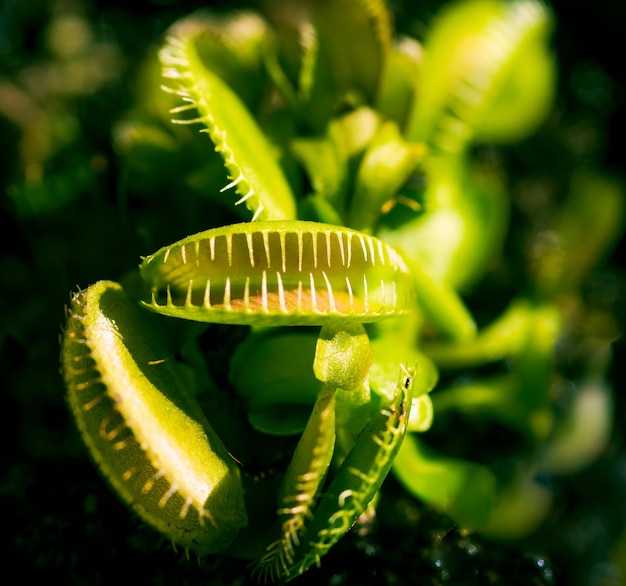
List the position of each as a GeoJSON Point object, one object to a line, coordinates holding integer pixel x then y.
{"type": "Point", "coordinates": [207, 294]}
{"type": "Point", "coordinates": [381, 252]}
{"type": "Point", "coordinates": [199, 120]}
{"type": "Point", "coordinates": [266, 247]}
{"type": "Point", "coordinates": [299, 304]}
{"type": "Point", "coordinates": [229, 249]}
{"type": "Point", "coordinates": [185, 509]}
{"type": "Point", "coordinates": [183, 108]}
{"type": "Point", "coordinates": [270, 272]}
{"type": "Point", "coordinates": [363, 246]}
{"type": "Point", "coordinates": [300, 250]}
{"type": "Point", "coordinates": [232, 184]}
{"type": "Point", "coordinates": [349, 239]}
{"type": "Point", "coordinates": [327, 234]}
{"type": "Point", "coordinates": [313, 294]}
{"type": "Point", "coordinates": [370, 243]}
{"type": "Point", "coordinates": [246, 295]}
{"type": "Point", "coordinates": [171, 491]}
{"type": "Point", "coordinates": [258, 212]}
{"type": "Point", "coordinates": [283, 251]}
{"type": "Point", "coordinates": [331, 298]}
{"type": "Point", "coordinates": [281, 293]}
{"type": "Point", "coordinates": [342, 252]}
{"type": "Point", "coordinates": [250, 248]}
{"type": "Point", "coordinates": [227, 294]}
{"type": "Point", "coordinates": [350, 294]}
{"type": "Point", "coordinates": [245, 198]}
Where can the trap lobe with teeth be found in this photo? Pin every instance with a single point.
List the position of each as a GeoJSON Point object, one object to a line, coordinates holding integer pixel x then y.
{"type": "Point", "coordinates": [290, 272]}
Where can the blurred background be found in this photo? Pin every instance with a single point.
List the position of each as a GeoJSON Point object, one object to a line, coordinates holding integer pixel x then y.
{"type": "Point", "coordinates": [67, 74]}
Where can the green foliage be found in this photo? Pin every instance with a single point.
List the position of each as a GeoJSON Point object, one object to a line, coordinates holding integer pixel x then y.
{"type": "Point", "coordinates": [372, 296]}
{"type": "Point", "coordinates": [147, 435]}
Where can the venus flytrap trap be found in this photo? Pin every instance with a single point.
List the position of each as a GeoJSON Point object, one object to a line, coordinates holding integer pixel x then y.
{"type": "Point", "coordinates": [145, 432]}
{"type": "Point", "coordinates": [357, 480]}
{"type": "Point", "coordinates": [275, 273]}
{"type": "Point", "coordinates": [252, 170]}
{"type": "Point", "coordinates": [365, 217]}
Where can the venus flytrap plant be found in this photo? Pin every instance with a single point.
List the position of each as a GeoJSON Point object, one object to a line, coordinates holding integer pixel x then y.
{"type": "Point", "coordinates": [479, 64]}
{"type": "Point", "coordinates": [292, 273]}
{"type": "Point", "coordinates": [252, 171]}
{"type": "Point", "coordinates": [329, 56]}
{"type": "Point", "coordinates": [487, 73]}
{"type": "Point", "coordinates": [300, 488]}
{"type": "Point", "coordinates": [273, 273]}
{"type": "Point", "coordinates": [366, 215]}
{"type": "Point", "coordinates": [469, 491]}
{"type": "Point", "coordinates": [358, 479]}
{"type": "Point", "coordinates": [146, 433]}
{"type": "Point", "coordinates": [364, 456]}
{"type": "Point", "coordinates": [525, 335]}
{"type": "Point", "coordinates": [337, 412]}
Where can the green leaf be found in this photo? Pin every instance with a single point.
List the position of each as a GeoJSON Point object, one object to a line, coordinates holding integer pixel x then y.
{"type": "Point", "coordinates": [487, 74]}
{"type": "Point", "coordinates": [397, 90]}
{"type": "Point", "coordinates": [326, 167]}
{"type": "Point", "coordinates": [233, 46]}
{"type": "Point", "coordinates": [503, 338]}
{"type": "Point", "coordinates": [587, 227]}
{"type": "Point", "coordinates": [272, 373]}
{"type": "Point", "coordinates": [300, 487]}
{"type": "Point", "coordinates": [330, 55]}
{"type": "Point", "coordinates": [354, 38]}
{"type": "Point", "coordinates": [343, 357]}
{"type": "Point", "coordinates": [464, 490]}
{"type": "Point", "coordinates": [462, 227]}
{"type": "Point", "coordinates": [386, 166]}
{"type": "Point", "coordinates": [250, 160]}
{"type": "Point", "coordinates": [356, 482]}
{"type": "Point", "coordinates": [146, 434]}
